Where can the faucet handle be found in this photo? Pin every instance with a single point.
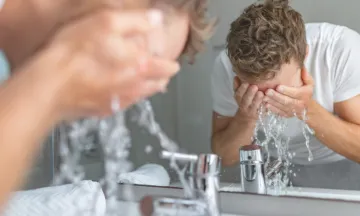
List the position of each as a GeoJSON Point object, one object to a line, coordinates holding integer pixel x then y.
{"type": "Point", "coordinates": [201, 165]}
{"type": "Point", "coordinates": [273, 168]}
{"type": "Point", "coordinates": [179, 157]}
{"type": "Point", "coordinates": [251, 154]}
{"type": "Point", "coordinates": [207, 164]}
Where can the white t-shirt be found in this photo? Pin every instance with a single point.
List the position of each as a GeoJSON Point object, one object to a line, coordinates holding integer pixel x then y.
{"type": "Point", "coordinates": [333, 62]}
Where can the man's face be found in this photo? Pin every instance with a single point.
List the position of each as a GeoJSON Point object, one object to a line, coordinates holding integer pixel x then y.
{"type": "Point", "coordinates": [176, 33]}
{"type": "Point", "coordinates": [176, 28]}
{"type": "Point", "coordinates": [289, 75]}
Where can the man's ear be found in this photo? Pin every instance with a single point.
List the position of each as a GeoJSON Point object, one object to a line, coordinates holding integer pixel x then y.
{"type": "Point", "coordinates": [237, 83]}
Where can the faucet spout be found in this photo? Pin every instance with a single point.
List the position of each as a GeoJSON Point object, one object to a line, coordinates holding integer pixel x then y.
{"type": "Point", "coordinates": [252, 169]}
{"type": "Point", "coordinates": [203, 176]}
{"type": "Point", "coordinates": [154, 206]}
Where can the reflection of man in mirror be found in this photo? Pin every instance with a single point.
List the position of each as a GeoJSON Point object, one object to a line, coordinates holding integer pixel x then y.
{"type": "Point", "coordinates": [274, 60]}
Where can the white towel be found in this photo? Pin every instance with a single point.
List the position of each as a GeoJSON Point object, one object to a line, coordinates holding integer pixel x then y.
{"type": "Point", "coordinates": [85, 198]}
{"type": "Point", "coordinates": [149, 174]}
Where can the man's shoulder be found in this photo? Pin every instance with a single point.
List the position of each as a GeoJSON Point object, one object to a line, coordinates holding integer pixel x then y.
{"type": "Point", "coordinates": [321, 26]}
{"type": "Point", "coordinates": [223, 60]}
{"type": "Point", "coordinates": [324, 32]}
{"type": "Point", "coordinates": [223, 56]}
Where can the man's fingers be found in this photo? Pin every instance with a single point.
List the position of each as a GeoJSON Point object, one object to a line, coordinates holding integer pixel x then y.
{"type": "Point", "coordinates": [130, 22]}
{"type": "Point", "coordinates": [276, 104]}
{"type": "Point", "coordinates": [296, 93]}
{"type": "Point", "coordinates": [255, 106]}
{"type": "Point", "coordinates": [239, 93]}
{"type": "Point", "coordinates": [292, 92]}
{"type": "Point", "coordinates": [147, 89]}
{"type": "Point", "coordinates": [280, 98]}
{"type": "Point", "coordinates": [249, 95]}
{"type": "Point", "coordinates": [276, 110]}
{"type": "Point", "coordinates": [158, 68]}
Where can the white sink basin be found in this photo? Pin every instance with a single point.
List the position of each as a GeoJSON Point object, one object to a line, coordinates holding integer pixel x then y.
{"type": "Point", "coordinates": [243, 203]}
{"type": "Point", "coordinates": [345, 195]}
{"type": "Point", "coordinates": [132, 209]}
{"type": "Point", "coordinates": [306, 192]}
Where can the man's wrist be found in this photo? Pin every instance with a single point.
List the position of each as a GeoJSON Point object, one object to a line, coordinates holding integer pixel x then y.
{"type": "Point", "coordinates": [242, 121]}
{"type": "Point", "coordinates": [312, 111]}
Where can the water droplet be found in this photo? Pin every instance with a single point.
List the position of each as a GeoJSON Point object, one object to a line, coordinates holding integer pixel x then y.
{"type": "Point", "coordinates": [148, 149]}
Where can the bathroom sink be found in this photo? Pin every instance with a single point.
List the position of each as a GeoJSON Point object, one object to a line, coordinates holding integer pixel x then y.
{"type": "Point", "coordinates": [233, 203]}
{"type": "Point", "coordinates": [320, 193]}
{"type": "Point", "coordinates": [132, 209]}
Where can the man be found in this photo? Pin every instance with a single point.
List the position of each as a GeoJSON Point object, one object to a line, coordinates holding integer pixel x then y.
{"type": "Point", "coordinates": [275, 61]}
{"type": "Point", "coordinates": [79, 61]}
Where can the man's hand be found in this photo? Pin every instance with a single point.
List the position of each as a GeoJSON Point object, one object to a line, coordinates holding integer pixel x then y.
{"type": "Point", "coordinates": [249, 99]}
{"type": "Point", "coordinates": [26, 32]}
{"type": "Point", "coordinates": [92, 61]}
{"type": "Point", "coordinates": [290, 101]}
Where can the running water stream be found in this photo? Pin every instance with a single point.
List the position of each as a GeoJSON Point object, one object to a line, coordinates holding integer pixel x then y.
{"type": "Point", "coordinates": [273, 128]}
{"type": "Point", "coordinates": [115, 140]}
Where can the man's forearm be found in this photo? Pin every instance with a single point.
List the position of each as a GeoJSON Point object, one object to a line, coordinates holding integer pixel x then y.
{"type": "Point", "coordinates": [341, 136]}
{"type": "Point", "coordinates": [25, 118]}
{"type": "Point", "coordinates": [226, 143]}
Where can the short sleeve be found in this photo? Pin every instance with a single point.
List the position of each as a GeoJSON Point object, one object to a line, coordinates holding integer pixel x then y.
{"type": "Point", "coordinates": [346, 57]}
{"type": "Point", "coordinates": [222, 87]}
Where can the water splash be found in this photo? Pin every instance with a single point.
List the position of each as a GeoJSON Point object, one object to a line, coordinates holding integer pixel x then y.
{"type": "Point", "coordinates": [146, 119]}
{"type": "Point", "coordinates": [116, 143]}
{"type": "Point", "coordinates": [188, 193]}
{"type": "Point", "coordinates": [114, 138]}
{"type": "Point", "coordinates": [306, 129]}
{"type": "Point", "coordinates": [273, 127]}
{"type": "Point", "coordinates": [112, 135]}
{"type": "Point", "coordinates": [74, 139]}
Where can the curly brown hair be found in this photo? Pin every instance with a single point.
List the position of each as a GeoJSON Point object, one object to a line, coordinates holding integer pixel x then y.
{"type": "Point", "coordinates": [264, 37]}
{"type": "Point", "coordinates": [201, 26]}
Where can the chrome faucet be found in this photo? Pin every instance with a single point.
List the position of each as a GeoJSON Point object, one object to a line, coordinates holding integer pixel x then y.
{"type": "Point", "coordinates": [173, 206]}
{"type": "Point", "coordinates": [253, 172]}
{"type": "Point", "coordinates": [203, 178]}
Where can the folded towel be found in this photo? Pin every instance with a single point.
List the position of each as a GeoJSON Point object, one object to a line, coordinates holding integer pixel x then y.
{"type": "Point", "coordinates": [85, 198]}
{"type": "Point", "coordinates": [149, 174]}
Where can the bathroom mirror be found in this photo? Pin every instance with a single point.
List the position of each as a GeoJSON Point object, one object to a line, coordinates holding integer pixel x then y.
{"type": "Point", "coordinates": [185, 110]}
{"type": "Point", "coordinates": [191, 103]}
